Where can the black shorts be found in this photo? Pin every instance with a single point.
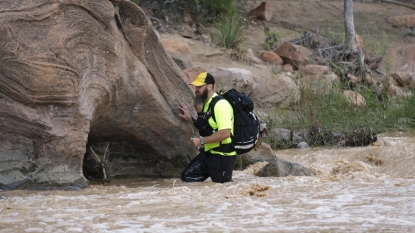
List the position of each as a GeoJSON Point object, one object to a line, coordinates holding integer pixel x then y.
{"type": "Point", "coordinates": [220, 167]}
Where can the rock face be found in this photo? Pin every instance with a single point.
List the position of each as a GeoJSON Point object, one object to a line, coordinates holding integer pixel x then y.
{"type": "Point", "coordinates": [83, 76]}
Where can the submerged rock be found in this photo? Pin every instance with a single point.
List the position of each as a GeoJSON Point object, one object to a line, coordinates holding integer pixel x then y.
{"type": "Point", "coordinates": [281, 168]}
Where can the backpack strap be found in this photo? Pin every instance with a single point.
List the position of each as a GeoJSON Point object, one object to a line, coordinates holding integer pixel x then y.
{"type": "Point", "coordinates": [212, 106]}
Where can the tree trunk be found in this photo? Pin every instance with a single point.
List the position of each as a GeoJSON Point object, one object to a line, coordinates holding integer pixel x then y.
{"type": "Point", "coordinates": [351, 43]}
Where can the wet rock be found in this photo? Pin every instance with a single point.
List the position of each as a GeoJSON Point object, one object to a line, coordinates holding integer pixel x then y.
{"type": "Point", "coordinates": [263, 154]}
{"type": "Point", "coordinates": [285, 135]}
{"type": "Point", "coordinates": [302, 145]}
{"type": "Point", "coordinates": [280, 168]}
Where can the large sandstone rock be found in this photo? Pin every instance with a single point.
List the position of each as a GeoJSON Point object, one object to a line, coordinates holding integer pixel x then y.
{"type": "Point", "coordinates": [83, 76]}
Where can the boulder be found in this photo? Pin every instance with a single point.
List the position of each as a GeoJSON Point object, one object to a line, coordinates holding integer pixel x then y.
{"type": "Point", "coordinates": [375, 84]}
{"type": "Point", "coordinates": [305, 52]}
{"type": "Point", "coordinates": [397, 90]}
{"type": "Point", "coordinates": [271, 58]}
{"type": "Point", "coordinates": [404, 79]}
{"type": "Point", "coordinates": [252, 58]}
{"type": "Point", "coordinates": [355, 98]}
{"type": "Point", "coordinates": [227, 78]}
{"type": "Point", "coordinates": [399, 59]}
{"type": "Point", "coordinates": [317, 78]}
{"type": "Point", "coordinates": [281, 134]}
{"type": "Point", "coordinates": [287, 68]}
{"type": "Point", "coordinates": [275, 91]}
{"type": "Point", "coordinates": [84, 79]}
{"type": "Point", "coordinates": [263, 154]}
{"type": "Point", "coordinates": [262, 12]}
{"type": "Point", "coordinates": [315, 70]}
{"type": "Point", "coordinates": [291, 55]}
{"type": "Point", "coordinates": [302, 145]}
{"type": "Point", "coordinates": [281, 168]}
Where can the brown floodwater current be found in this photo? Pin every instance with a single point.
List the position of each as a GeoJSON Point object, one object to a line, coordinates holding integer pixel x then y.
{"type": "Point", "coordinates": [365, 189]}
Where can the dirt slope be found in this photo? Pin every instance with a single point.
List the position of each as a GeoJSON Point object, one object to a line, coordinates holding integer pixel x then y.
{"type": "Point", "coordinates": [291, 18]}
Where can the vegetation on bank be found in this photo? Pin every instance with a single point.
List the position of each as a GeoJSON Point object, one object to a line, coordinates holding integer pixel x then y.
{"type": "Point", "coordinates": [328, 119]}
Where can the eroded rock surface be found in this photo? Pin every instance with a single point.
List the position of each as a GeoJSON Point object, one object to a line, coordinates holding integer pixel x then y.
{"type": "Point", "coordinates": [77, 76]}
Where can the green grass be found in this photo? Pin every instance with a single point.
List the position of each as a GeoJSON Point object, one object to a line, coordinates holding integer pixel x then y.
{"type": "Point", "coordinates": [328, 115]}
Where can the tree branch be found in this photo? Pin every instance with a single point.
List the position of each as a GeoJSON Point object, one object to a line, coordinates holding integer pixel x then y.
{"type": "Point", "coordinates": [400, 3]}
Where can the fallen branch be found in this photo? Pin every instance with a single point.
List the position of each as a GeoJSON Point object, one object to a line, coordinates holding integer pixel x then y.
{"type": "Point", "coordinates": [103, 164]}
{"type": "Point", "coordinates": [380, 72]}
{"type": "Point", "coordinates": [400, 3]}
{"type": "Point", "coordinates": [96, 156]}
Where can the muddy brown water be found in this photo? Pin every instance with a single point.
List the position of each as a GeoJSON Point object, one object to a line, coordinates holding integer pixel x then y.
{"type": "Point", "coordinates": [368, 189]}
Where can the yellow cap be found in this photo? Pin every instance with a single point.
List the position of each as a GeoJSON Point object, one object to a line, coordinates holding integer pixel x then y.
{"type": "Point", "coordinates": [202, 79]}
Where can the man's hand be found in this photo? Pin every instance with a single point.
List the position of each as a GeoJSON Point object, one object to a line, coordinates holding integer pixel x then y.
{"type": "Point", "coordinates": [196, 142]}
{"type": "Point", "coordinates": [186, 116]}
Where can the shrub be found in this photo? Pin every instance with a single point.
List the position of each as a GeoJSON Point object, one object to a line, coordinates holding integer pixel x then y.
{"type": "Point", "coordinates": [229, 32]}
{"type": "Point", "coordinates": [273, 39]}
{"type": "Point", "coordinates": [222, 7]}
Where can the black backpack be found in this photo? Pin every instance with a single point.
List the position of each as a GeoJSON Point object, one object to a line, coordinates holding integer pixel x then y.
{"type": "Point", "coordinates": [246, 123]}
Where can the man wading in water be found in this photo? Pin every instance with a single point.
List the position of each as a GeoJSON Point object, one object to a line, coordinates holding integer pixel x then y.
{"type": "Point", "coordinates": [216, 158]}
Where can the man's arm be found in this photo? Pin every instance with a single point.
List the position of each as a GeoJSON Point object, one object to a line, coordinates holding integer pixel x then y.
{"type": "Point", "coordinates": [216, 137]}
